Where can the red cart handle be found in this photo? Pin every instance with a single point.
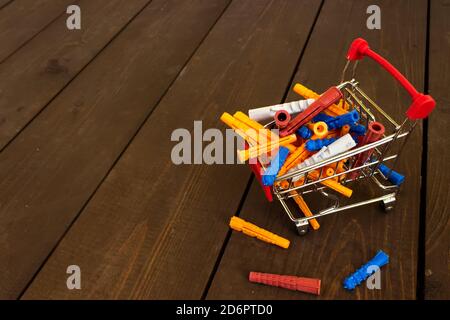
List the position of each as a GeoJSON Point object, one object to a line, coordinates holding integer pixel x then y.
{"type": "Point", "coordinates": [422, 104]}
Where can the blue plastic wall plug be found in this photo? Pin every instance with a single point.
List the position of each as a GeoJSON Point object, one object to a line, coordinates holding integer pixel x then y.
{"type": "Point", "coordinates": [393, 176]}
{"type": "Point", "coordinates": [366, 270]}
{"type": "Point", "coordinates": [340, 121]}
{"type": "Point", "coordinates": [269, 176]}
{"type": "Point", "coordinates": [322, 117]}
{"type": "Point", "coordinates": [317, 144]}
{"type": "Point", "coordinates": [358, 129]}
{"type": "Point", "coordinates": [304, 132]}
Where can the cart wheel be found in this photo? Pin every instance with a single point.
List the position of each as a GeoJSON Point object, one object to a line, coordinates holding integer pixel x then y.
{"type": "Point", "coordinates": [302, 228]}
{"type": "Point", "coordinates": [388, 204]}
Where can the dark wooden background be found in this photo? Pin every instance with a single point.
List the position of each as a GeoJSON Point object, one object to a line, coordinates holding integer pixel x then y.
{"type": "Point", "coordinates": [85, 122]}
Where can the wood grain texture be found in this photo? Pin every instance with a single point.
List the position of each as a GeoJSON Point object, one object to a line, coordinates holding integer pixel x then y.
{"type": "Point", "coordinates": [154, 229]}
{"type": "Point", "coordinates": [3, 3]}
{"type": "Point", "coordinates": [51, 169]}
{"type": "Point", "coordinates": [43, 67]}
{"type": "Point", "coordinates": [437, 237]}
{"type": "Point", "coordinates": [347, 240]}
{"type": "Point", "coordinates": [21, 20]}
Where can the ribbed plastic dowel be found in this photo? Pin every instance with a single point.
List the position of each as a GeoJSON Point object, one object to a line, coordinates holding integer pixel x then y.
{"type": "Point", "coordinates": [308, 285]}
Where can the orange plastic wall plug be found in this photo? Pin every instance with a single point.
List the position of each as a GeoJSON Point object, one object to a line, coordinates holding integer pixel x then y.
{"type": "Point", "coordinates": [252, 230]}
{"type": "Point", "coordinates": [305, 209]}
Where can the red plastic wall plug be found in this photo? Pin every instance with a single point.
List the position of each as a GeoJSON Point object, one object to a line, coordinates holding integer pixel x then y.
{"type": "Point", "coordinates": [329, 97]}
{"type": "Point", "coordinates": [307, 285]}
{"type": "Point", "coordinates": [374, 133]}
{"type": "Point", "coordinates": [282, 119]}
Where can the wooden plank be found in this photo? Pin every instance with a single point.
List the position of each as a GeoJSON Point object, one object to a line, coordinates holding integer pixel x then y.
{"type": "Point", "coordinates": [52, 168]}
{"type": "Point", "coordinates": [437, 259]}
{"type": "Point", "coordinates": [154, 229]}
{"type": "Point", "coordinates": [3, 3]}
{"type": "Point", "coordinates": [44, 66]}
{"type": "Point", "coordinates": [345, 241]}
{"type": "Point", "coordinates": [21, 20]}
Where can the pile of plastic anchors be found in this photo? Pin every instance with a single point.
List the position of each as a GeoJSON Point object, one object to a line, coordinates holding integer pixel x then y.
{"type": "Point", "coordinates": [310, 131]}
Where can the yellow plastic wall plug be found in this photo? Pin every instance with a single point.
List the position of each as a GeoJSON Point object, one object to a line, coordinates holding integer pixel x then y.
{"type": "Point", "coordinates": [248, 134]}
{"type": "Point", "coordinates": [306, 93]}
{"type": "Point", "coordinates": [252, 230]}
{"type": "Point", "coordinates": [332, 184]}
{"type": "Point", "coordinates": [345, 129]}
{"type": "Point", "coordinates": [320, 130]}
{"type": "Point", "coordinates": [269, 135]}
{"type": "Point", "coordinates": [259, 150]}
{"type": "Point", "coordinates": [305, 209]}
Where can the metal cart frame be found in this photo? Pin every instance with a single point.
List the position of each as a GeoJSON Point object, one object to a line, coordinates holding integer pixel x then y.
{"type": "Point", "coordinates": [387, 149]}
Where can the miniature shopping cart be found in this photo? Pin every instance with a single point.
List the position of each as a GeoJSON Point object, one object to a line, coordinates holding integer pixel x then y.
{"type": "Point", "coordinates": [381, 153]}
